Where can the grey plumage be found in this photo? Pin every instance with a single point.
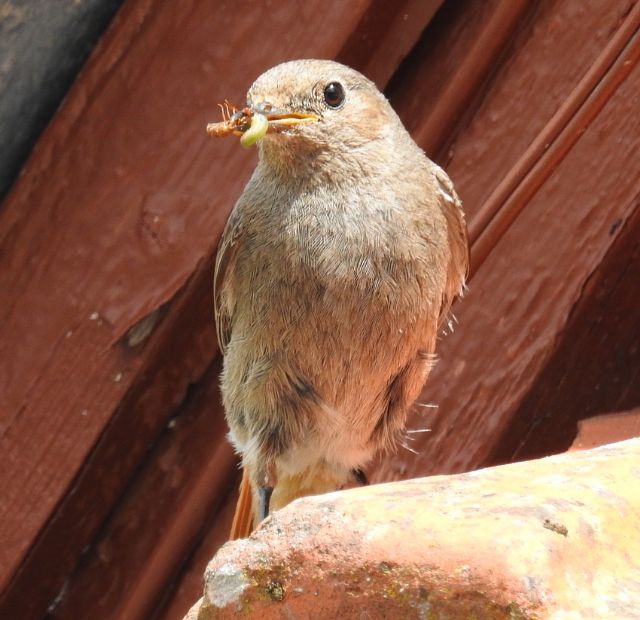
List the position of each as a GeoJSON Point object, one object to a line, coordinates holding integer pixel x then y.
{"type": "Point", "coordinates": [338, 265]}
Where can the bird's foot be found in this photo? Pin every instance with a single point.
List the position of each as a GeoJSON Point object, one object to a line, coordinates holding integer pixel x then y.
{"type": "Point", "coordinates": [360, 477]}
{"type": "Point", "coordinates": [264, 496]}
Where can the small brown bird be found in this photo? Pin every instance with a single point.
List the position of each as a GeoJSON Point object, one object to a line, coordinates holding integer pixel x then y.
{"type": "Point", "coordinates": [338, 264]}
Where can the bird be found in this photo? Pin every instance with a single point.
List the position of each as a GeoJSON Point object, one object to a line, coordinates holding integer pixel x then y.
{"type": "Point", "coordinates": [336, 269]}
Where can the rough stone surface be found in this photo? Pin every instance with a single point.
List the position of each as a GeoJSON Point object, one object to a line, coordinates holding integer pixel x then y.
{"type": "Point", "coordinates": [556, 538]}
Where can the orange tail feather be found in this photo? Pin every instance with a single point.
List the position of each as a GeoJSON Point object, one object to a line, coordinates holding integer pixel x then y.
{"type": "Point", "coordinates": [242, 524]}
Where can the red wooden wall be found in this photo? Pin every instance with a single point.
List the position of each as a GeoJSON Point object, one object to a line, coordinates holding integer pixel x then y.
{"type": "Point", "coordinates": [116, 482]}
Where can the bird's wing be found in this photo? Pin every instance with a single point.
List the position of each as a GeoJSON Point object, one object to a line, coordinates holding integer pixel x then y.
{"type": "Point", "coordinates": [404, 388]}
{"type": "Point", "coordinates": [458, 265]}
{"type": "Point", "coordinates": [224, 297]}
{"type": "Point", "coordinates": [224, 279]}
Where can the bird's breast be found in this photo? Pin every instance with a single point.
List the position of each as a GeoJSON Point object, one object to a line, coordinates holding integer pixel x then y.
{"type": "Point", "coordinates": [333, 263]}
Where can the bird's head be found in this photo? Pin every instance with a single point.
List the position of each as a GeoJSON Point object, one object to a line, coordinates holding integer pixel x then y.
{"type": "Point", "coordinates": [319, 111]}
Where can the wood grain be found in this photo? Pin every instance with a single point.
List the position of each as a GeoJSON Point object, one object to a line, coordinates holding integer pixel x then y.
{"type": "Point", "coordinates": [595, 366]}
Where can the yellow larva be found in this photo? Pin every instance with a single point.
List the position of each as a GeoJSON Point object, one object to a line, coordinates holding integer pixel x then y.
{"type": "Point", "coordinates": [257, 130]}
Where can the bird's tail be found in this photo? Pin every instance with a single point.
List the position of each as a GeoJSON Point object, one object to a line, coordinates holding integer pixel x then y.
{"type": "Point", "coordinates": [243, 519]}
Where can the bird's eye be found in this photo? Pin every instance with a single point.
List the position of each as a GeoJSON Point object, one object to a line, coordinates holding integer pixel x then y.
{"type": "Point", "coordinates": [334, 94]}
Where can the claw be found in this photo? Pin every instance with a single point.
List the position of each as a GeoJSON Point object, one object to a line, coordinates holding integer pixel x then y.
{"type": "Point", "coordinates": [264, 496]}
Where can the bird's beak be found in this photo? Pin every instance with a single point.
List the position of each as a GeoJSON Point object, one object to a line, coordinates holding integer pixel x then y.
{"type": "Point", "coordinates": [265, 121]}
{"type": "Point", "coordinates": [279, 118]}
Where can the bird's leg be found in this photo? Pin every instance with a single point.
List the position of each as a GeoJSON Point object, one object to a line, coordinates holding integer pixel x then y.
{"type": "Point", "coordinates": [360, 476]}
{"type": "Point", "coordinates": [264, 497]}
{"type": "Point", "coordinates": [265, 488]}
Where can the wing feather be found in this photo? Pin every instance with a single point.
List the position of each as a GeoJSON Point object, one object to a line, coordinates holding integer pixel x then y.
{"type": "Point", "coordinates": [224, 279]}
{"type": "Point", "coordinates": [458, 265]}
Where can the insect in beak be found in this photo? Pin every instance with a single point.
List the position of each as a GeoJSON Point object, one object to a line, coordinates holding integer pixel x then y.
{"type": "Point", "coordinates": [253, 124]}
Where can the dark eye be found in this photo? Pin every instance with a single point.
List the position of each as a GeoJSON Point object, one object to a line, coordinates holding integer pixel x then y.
{"type": "Point", "coordinates": [334, 94]}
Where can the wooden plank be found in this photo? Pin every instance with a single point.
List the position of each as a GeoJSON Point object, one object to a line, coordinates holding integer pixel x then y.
{"type": "Point", "coordinates": [595, 367]}
{"type": "Point", "coordinates": [387, 32]}
{"type": "Point", "coordinates": [188, 587]}
{"type": "Point", "coordinates": [522, 296]}
{"type": "Point", "coordinates": [165, 511]}
{"type": "Point", "coordinates": [610, 69]}
{"type": "Point", "coordinates": [433, 132]}
{"type": "Point", "coordinates": [416, 89]}
{"type": "Point", "coordinates": [517, 98]}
